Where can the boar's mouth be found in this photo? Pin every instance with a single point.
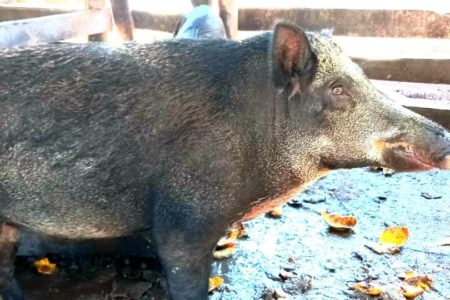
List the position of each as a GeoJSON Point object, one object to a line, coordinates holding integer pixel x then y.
{"type": "Point", "coordinates": [404, 156]}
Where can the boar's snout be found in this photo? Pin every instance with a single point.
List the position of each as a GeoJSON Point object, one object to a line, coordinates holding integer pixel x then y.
{"type": "Point", "coordinates": [423, 147]}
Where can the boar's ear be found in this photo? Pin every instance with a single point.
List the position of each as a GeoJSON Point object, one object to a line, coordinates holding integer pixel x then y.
{"type": "Point", "coordinates": [292, 58]}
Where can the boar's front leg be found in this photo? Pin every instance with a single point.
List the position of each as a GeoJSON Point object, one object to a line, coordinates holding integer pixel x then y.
{"type": "Point", "coordinates": [185, 239]}
{"type": "Point", "coordinates": [9, 290]}
{"type": "Point", "coordinates": [187, 269]}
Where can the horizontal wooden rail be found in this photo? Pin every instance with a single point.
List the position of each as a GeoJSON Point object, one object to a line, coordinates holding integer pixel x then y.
{"type": "Point", "coordinates": [429, 100]}
{"type": "Point", "coordinates": [440, 116]}
{"type": "Point", "coordinates": [12, 13]}
{"type": "Point", "coordinates": [149, 20]}
{"type": "Point", "coordinates": [54, 28]}
{"type": "Point", "coordinates": [399, 59]}
{"type": "Point", "coordinates": [353, 22]}
{"type": "Point", "coordinates": [407, 69]}
{"type": "Point", "coordinates": [417, 94]}
{"type": "Point", "coordinates": [349, 22]}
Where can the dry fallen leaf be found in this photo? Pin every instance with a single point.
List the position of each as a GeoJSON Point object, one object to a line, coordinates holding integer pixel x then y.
{"type": "Point", "coordinates": [411, 291]}
{"type": "Point", "coordinates": [214, 283]}
{"type": "Point", "coordinates": [237, 229]}
{"type": "Point", "coordinates": [395, 235]}
{"type": "Point", "coordinates": [406, 275]}
{"type": "Point", "coordinates": [44, 266]}
{"type": "Point", "coordinates": [421, 281]}
{"type": "Point", "coordinates": [390, 241]}
{"type": "Point", "coordinates": [226, 242]}
{"type": "Point", "coordinates": [225, 246]}
{"type": "Point", "coordinates": [224, 253]}
{"type": "Point", "coordinates": [367, 288]}
{"type": "Point", "coordinates": [339, 222]}
{"type": "Point", "coordinates": [277, 212]}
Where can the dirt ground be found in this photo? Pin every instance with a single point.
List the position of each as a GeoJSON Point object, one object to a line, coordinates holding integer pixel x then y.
{"type": "Point", "coordinates": [320, 263]}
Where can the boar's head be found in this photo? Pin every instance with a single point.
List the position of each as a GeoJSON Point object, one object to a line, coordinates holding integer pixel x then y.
{"type": "Point", "coordinates": [345, 121]}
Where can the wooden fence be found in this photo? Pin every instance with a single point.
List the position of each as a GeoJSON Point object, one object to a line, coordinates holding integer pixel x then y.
{"type": "Point", "coordinates": [29, 26]}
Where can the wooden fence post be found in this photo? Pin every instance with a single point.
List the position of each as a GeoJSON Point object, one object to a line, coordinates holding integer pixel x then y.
{"type": "Point", "coordinates": [96, 4]}
{"type": "Point", "coordinates": [123, 20]}
{"type": "Point", "coordinates": [229, 13]}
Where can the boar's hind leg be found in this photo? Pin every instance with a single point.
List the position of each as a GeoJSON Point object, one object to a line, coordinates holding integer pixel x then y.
{"type": "Point", "coordinates": [9, 290]}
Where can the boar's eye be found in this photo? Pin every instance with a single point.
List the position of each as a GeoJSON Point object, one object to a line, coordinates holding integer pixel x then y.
{"type": "Point", "coordinates": [338, 96]}
{"type": "Point", "coordinates": [337, 90]}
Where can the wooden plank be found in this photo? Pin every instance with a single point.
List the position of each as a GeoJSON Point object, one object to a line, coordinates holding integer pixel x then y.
{"type": "Point", "coordinates": [228, 11]}
{"type": "Point", "coordinates": [417, 94]}
{"type": "Point", "coordinates": [95, 5]}
{"type": "Point", "coordinates": [123, 20]}
{"type": "Point", "coordinates": [407, 69]}
{"type": "Point", "coordinates": [382, 23]}
{"type": "Point", "coordinates": [416, 67]}
{"type": "Point", "coordinates": [168, 23]}
{"type": "Point", "coordinates": [154, 21]}
{"type": "Point", "coordinates": [436, 105]}
{"type": "Point", "coordinates": [54, 28]}
{"type": "Point", "coordinates": [10, 13]}
{"type": "Point", "coordinates": [440, 116]}
{"type": "Point", "coordinates": [400, 59]}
